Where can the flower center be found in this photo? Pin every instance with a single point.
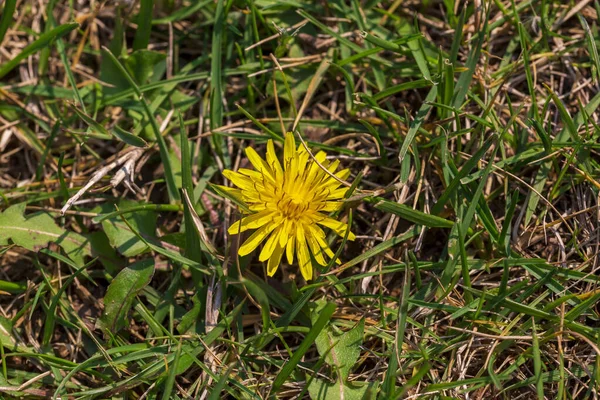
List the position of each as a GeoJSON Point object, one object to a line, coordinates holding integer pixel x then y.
{"type": "Point", "coordinates": [292, 205]}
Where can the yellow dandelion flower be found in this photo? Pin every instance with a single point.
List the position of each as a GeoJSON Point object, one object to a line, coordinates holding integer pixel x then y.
{"type": "Point", "coordinates": [288, 205]}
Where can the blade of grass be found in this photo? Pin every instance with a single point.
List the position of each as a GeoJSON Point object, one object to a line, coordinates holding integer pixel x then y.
{"type": "Point", "coordinates": [7, 16]}
{"type": "Point", "coordinates": [464, 81]}
{"type": "Point", "coordinates": [537, 363]}
{"type": "Point", "coordinates": [216, 84]}
{"type": "Point", "coordinates": [144, 21]}
{"type": "Point", "coordinates": [170, 382]}
{"type": "Point", "coordinates": [162, 145]}
{"type": "Point", "coordinates": [412, 215]}
{"type": "Point", "coordinates": [306, 344]}
{"type": "Point", "coordinates": [42, 42]}
{"type": "Point", "coordinates": [415, 124]}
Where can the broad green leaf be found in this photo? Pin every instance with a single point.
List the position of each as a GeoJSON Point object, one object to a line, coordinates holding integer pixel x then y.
{"type": "Point", "coordinates": [322, 390]}
{"type": "Point", "coordinates": [145, 65]}
{"type": "Point", "coordinates": [119, 235]}
{"type": "Point", "coordinates": [341, 351]}
{"type": "Point", "coordinates": [36, 231]}
{"type": "Point", "coordinates": [155, 245]}
{"type": "Point", "coordinates": [105, 253]}
{"type": "Point", "coordinates": [121, 293]}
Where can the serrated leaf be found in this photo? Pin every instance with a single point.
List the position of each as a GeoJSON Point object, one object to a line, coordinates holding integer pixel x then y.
{"type": "Point", "coordinates": [38, 230]}
{"type": "Point", "coordinates": [341, 351]}
{"type": "Point", "coordinates": [119, 235]}
{"type": "Point", "coordinates": [321, 390]}
{"type": "Point", "coordinates": [121, 293]}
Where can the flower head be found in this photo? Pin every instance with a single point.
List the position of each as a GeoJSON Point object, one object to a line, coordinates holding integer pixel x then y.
{"type": "Point", "coordinates": [288, 205]}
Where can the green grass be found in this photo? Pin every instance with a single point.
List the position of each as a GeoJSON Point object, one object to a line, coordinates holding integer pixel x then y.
{"type": "Point", "coordinates": [472, 137]}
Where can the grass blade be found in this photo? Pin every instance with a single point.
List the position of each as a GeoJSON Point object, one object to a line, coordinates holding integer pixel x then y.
{"type": "Point", "coordinates": [7, 16]}
{"type": "Point", "coordinates": [42, 42]}
{"type": "Point", "coordinates": [306, 344]}
{"type": "Point", "coordinates": [162, 145]}
{"type": "Point", "coordinates": [144, 21]}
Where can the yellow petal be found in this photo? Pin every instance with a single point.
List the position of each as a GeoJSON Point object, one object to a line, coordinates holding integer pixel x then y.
{"type": "Point", "coordinates": [274, 261]}
{"type": "Point", "coordinates": [333, 166]}
{"type": "Point", "coordinates": [254, 175]}
{"type": "Point", "coordinates": [316, 250]}
{"type": "Point", "coordinates": [289, 251]}
{"type": "Point", "coordinates": [343, 174]}
{"type": "Point", "coordinates": [285, 233]}
{"type": "Point", "coordinates": [289, 149]}
{"type": "Point", "coordinates": [272, 160]}
{"type": "Point", "coordinates": [338, 193]}
{"type": "Point", "coordinates": [303, 258]}
{"type": "Point", "coordinates": [258, 163]}
{"type": "Point", "coordinates": [252, 196]}
{"type": "Point", "coordinates": [233, 192]}
{"type": "Point", "coordinates": [270, 245]}
{"type": "Point", "coordinates": [303, 157]}
{"type": "Point", "coordinates": [332, 184]}
{"type": "Point", "coordinates": [255, 239]}
{"type": "Point", "coordinates": [314, 167]}
{"type": "Point", "coordinates": [258, 207]}
{"type": "Point", "coordinates": [239, 180]}
{"type": "Point", "coordinates": [338, 227]}
{"type": "Point", "coordinates": [319, 236]}
{"type": "Point", "coordinates": [252, 221]}
{"type": "Point", "coordinates": [331, 206]}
